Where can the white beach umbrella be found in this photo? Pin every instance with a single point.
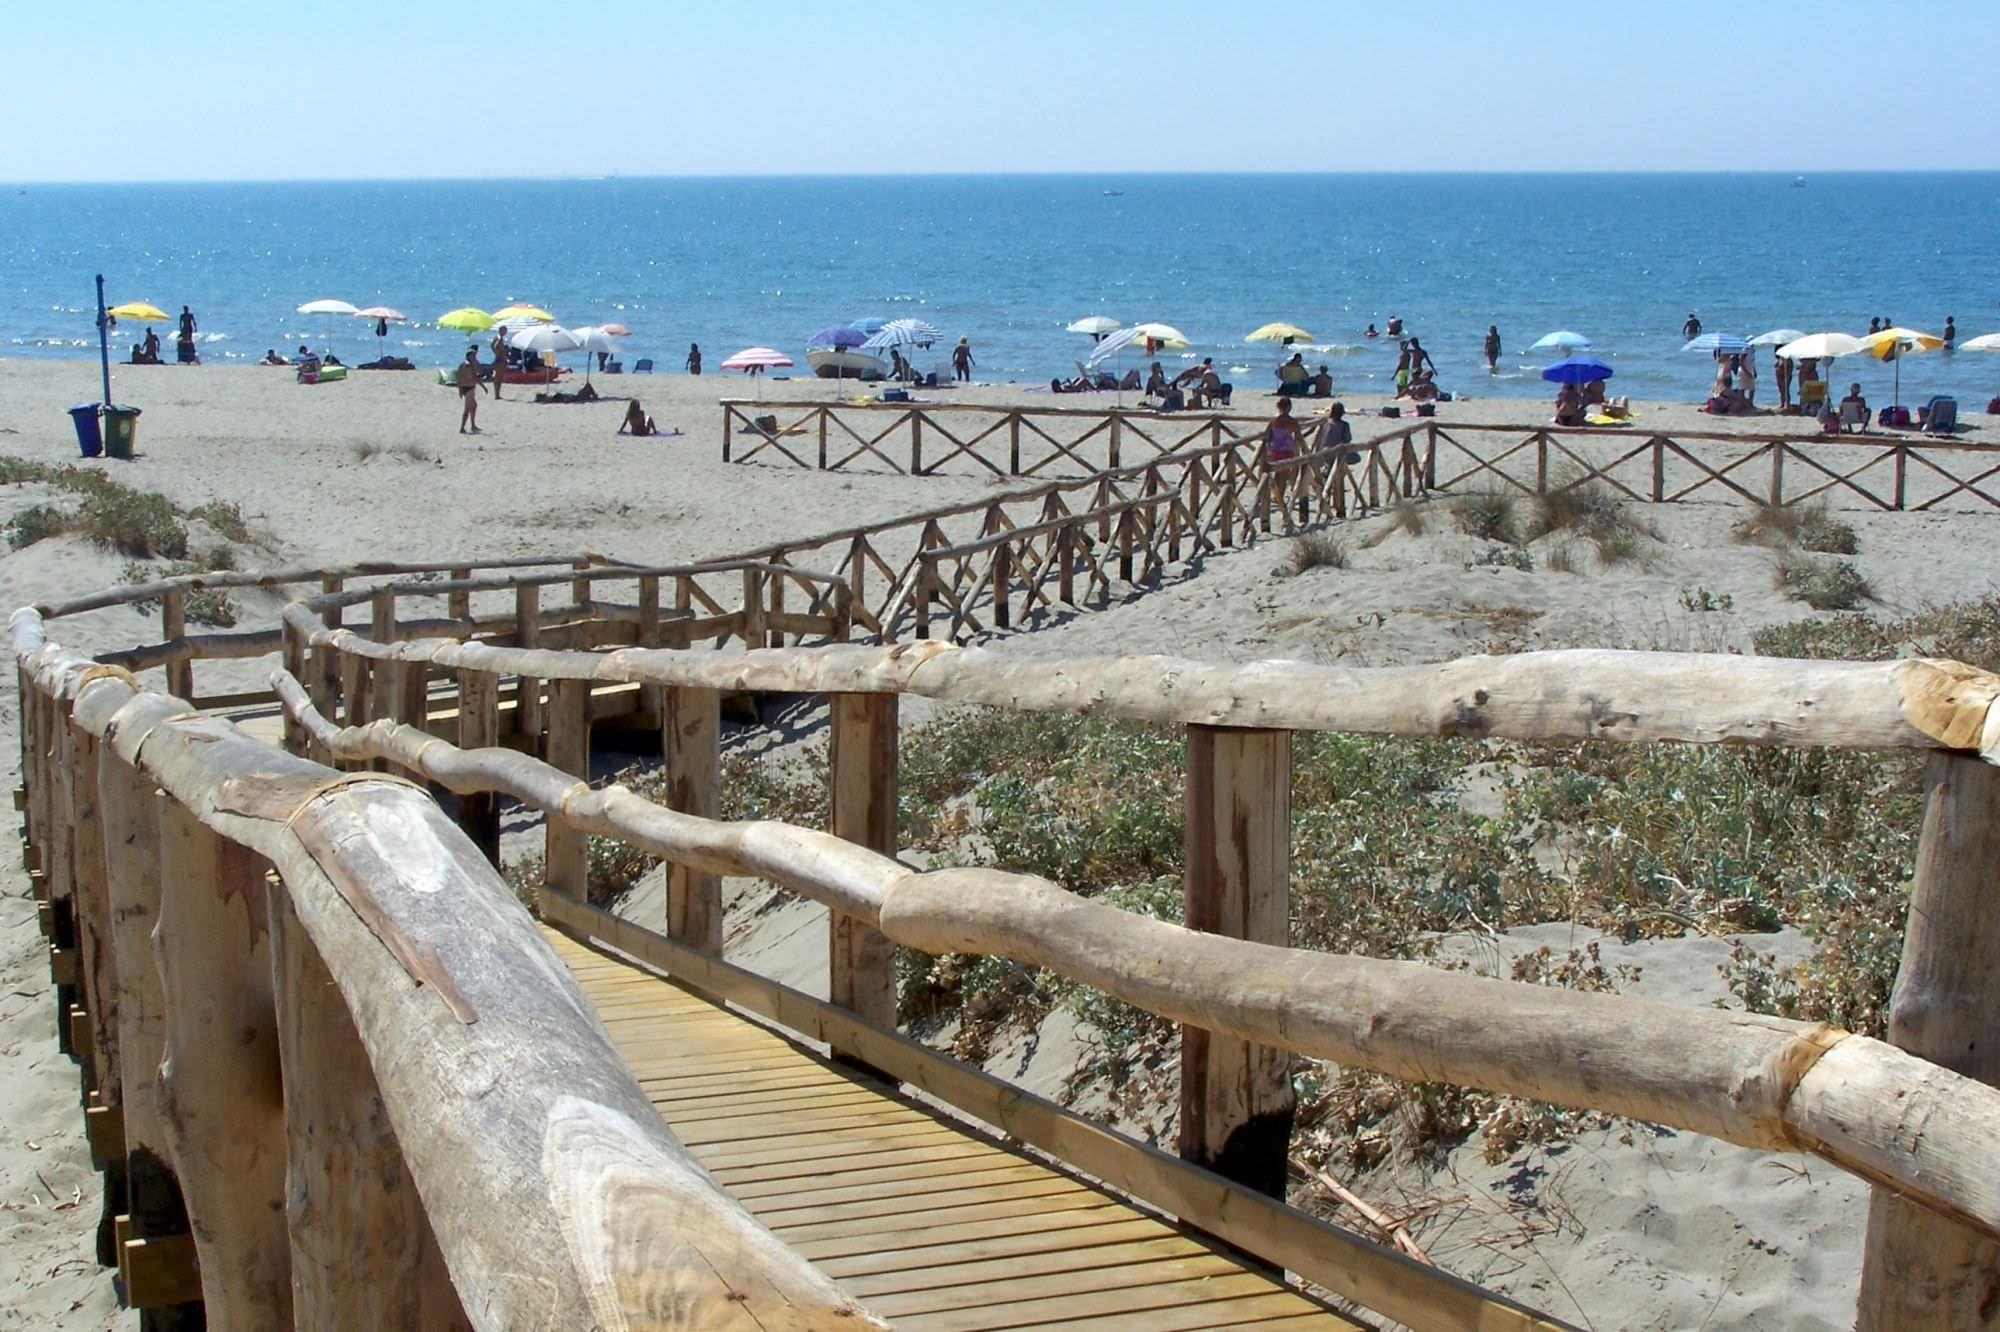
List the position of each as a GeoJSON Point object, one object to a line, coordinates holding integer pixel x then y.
{"type": "Point", "coordinates": [1821, 347]}
{"type": "Point", "coordinates": [1095, 325]}
{"type": "Point", "coordinates": [1163, 335]}
{"type": "Point", "coordinates": [1984, 342]}
{"type": "Point", "coordinates": [1777, 337]}
{"type": "Point", "coordinates": [1562, 340]}
{"type": "Point", "coordinates": [591, 341]}
{"type": "Point", "coordinates": [329, 308]}
{"type": "Point", "coordinates": [539, 338]}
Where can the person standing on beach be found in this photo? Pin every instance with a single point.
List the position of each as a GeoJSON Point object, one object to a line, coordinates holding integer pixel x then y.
{"type": "Point", "coordinates": [1692, 328]}
{"type": "Point", "coordinates": [1281, 449]}
{"type": "Point", "coordinates": [468, 391]}
{"type": "Point", "coordinates": [961, 361]}
{"type": "Point", "coordinates": [1492, 349]}
{"type": "Point", "coordinates": [499, 360]}
{"type": "Point", "coordinates": [1781, 370]}
{"type": "Point", "coordinates": [694, 358]}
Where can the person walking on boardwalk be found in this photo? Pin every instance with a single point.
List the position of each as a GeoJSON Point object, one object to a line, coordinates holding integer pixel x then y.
{"type": "Point", "coordinates": [1492, 349]}
{"type": "Point", "coordinates": [468, 391]}
{"type": "Point", "coordinates": [694, 358]}
{"type": "Point", "coordinates": [961, 361]}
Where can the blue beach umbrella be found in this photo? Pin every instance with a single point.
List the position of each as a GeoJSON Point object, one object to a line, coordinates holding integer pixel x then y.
{"type": "Point", "coordinates": [1576, 370]}
{"type": "Point", "coordinates": [1726, 343]}
{"type": "Point", "coordinates": [868, 327]}
{"type": "Point", "coordinates": [841, 336]}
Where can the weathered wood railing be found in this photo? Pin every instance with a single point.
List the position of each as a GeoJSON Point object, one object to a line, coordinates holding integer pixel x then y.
{"type": "Point", "coordinates": [1919, 1130]}
{"type": "Point", "coordinates": [1891, 472]}
{"type": "Point", "coordinates": [335, 1075]}
{"type": "Point", "coordinates": [924, 438]}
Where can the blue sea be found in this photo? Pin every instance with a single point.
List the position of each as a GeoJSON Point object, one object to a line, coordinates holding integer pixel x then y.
{"type": "Point", "coordinates": [1007, 261]}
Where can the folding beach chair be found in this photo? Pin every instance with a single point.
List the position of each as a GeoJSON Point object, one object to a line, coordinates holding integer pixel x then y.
{"type": "Point", "coordinates": [1853, 416]}
{"type": "Point", "coordinates": [644, 367]}
{"type": "Point", "coordinates": [1941, 417]}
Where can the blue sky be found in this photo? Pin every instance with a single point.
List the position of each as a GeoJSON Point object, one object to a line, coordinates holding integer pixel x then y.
{"type": "Point", "coordinates": [207, 90]}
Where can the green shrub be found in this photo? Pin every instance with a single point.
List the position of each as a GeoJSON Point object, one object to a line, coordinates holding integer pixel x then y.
{"type": "Point", "coordinates": [1486, 514]}
{"type": "Point", "coordinates": [226, 519]}
{"type": "Point", "coordinates": [1497, 557]}
{"type": "Point", "coordinates": [38, 522]}
{"type": "Point", "coordinates": [1967, 631]}
{"type": "Point", "coordinates": [1837, 586]}
{"type": "Point", "coordinates": [1809, 526]}
{"type": "Point", "coordinates": [133, 522]}
{"type": "Point", "coordinates": [1700, 599]}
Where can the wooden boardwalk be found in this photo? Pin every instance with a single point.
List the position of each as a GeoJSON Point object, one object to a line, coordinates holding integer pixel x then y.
{"type": "Point", "coordinates": [921, 1218]}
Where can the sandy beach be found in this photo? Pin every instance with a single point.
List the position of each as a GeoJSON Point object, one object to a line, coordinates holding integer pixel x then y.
{"type": "Point", "coordinates": [1658, 1232]}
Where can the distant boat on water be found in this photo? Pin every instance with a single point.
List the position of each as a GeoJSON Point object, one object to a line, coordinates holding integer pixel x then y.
{"type": "Point", "coordinates": [1798, 182]}
{"type": "Point", "coordinates": [1114, 193]}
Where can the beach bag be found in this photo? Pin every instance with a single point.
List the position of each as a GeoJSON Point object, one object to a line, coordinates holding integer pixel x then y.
{"type": "Point", "coordinates": [1993, 406]}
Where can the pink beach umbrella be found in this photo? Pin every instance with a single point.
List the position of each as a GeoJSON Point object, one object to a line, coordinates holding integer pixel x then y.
{"type": "Point", "coordinates": [756, 359]}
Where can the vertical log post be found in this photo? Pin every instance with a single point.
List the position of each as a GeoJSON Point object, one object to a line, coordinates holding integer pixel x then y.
{"type": "Point", "coordinates": [296, 740]}
{"type": "Point", "coordinates": [386, 689]}
{"type": "Point", "coordinates": [325, 683]}
{"type": "Point", "coordinates": [362, 1251]}
{"type": "Point", "coordinates": [1014, 443]}
{"type": "Point", "coordinates": [728, 424]}
{"type": "Point", "coordinates": [154, 1208]}
{"type": "Point", "coordinates": [1899, 458]}
{"type": "Point", "coordinates": [527, 633]}
{"type": "Point", "coordinates": [220, 1079]}
{"type": "Point", "coordinates": [1111, 453]}
{"type": "Point", "coordinates": [1541, 462]}
{"type": "Point", "coordinates": [1002, 613]}
{"type": "Point", "coordinates": [1659, 470]}
{"type": "Point", "coordinates": [173, 627]}
{"type": "Point", "coordinates": [777, 584]}
{"type": "Point", "coordinates": [823, 414]}
{"type": "Point", "coordinates": [566, 867]}
{"type": "Point", "coordinates": [916, 443]}
{"type": "Point", "coordinates": [579, 588]}
{"type": "Point", "coordinates": [97, 1045]}
{"type": "Point", "coordinates": [356, 704]}
{"type": "Point", "coordinates": [861, 972]}
{"type": "Point", "coordinates": [1236, 1097]}
{"type": "Point", "coordinates": [690, 742]}
{"type": "Point", "coordinates": [458, 605]}
{"type": "Point", "coordinates": [1919, 1269]}
{"type": "Point", "coordinates": [1777, 474]}
{"type": "Point", "coordinates": [753, 608]}
{"type": "Point", "coordinates": [478, 812]}
{"type": "Point", "coordinates": [57, 858]}
{"type": "Point", "coordinates": [649, 637]}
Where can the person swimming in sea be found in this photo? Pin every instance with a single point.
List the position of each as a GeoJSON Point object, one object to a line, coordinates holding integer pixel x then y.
{"type": "Point", "coordinates": [1370, 332]}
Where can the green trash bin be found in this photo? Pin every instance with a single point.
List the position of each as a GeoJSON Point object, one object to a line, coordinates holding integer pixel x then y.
{"type": "Point", "coordinates": [121, 431]}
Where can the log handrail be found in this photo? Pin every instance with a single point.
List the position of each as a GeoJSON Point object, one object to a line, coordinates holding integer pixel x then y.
{"type": "Point", "coordinates": [1763, 1082]}
{"type": "Point", "coordinates": [553, 1191]}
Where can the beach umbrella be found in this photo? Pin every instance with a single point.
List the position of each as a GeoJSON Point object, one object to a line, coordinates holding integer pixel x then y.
{"type": "Point", "coordinates": [465, 319]}
{"type": "Point", "coordinates": [593, 341]}
{"type": "Point", "coordinates": [869, 326]}
{"type": "Point", "coordinates": [1283, 334]}
{"type": "Point", "coordinates": [329, 308]}
{"type": "Point", "coordinates": [381, 314]}
{"type": "Point", "coordinates": [140, 310]}
{"type": "Point", "coordinates": [1984, 342]}
{"type": "Point", "coordinates": [1098, 326]}
{"type": "Point", "coordinates": [839, 336]}
{"type": "Point", "coordinates": [758, 358]}
{"type": "Point", "coordinates": [1561, 340]}
{"type": "Point", "coordinates": [903, 333]}
{"type": "Point", "coordinates": [616, 330]}
{"type": "Point", "coordinates": [1159, 335]}
{"type": "Point", "coordinates": [1777, 337]}
{"type": "Point", "coordinates": [1576, 370]}
{"type": "Point", "coordinates": [1893, 344]}
{"type": "Point", "coordinates": [517, 314]}
{"type": "Point", "coordinates": [1820, 347]}
{"type": "Point", "coordinates": [1727, 344]}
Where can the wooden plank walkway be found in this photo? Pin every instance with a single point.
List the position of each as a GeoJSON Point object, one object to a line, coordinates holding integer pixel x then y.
{"type": "Point", "coordinates": [919, 1217]}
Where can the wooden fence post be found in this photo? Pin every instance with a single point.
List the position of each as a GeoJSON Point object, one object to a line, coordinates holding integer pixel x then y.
{"type": "Point", "coordinates": [458, 605]}
{"type": "Point", "coordinates": [385, 687]}
{"type": "Point", "coordinates": [690, 741]}
{"type": "Point", "coordinates": [1236, 1098]}
{"type": "Point", "coordinates": [1659, 470]}
{"type": "Point", "coordinates": [220, 1078]}
{"type": "Point", "coordinates": [822, 414]}
{"type": "Point", "coordinates": [916, 443]}
{"type": "Point", "coordinates": [1777, 474]}
{"type": "Point", "coordinates": [1899, 458]}
{"type": "Point", "coordinates": [579, 588]}
{"type": "Point", "coordinates": [97, 1043]}
{"type": "Point", "coordinates": [649, 637]}
{"type": "Point", "coordinates": [57, 858]}
{"type": "Point", "coordinates": [753, 608]}
{"type": "Point", "coordinates": [478, 812]}
{"type": "Point", "coordinates": [1014, 443]}
{"type": "Point", "coordinates": [566, 860]}
{"type": "Point", "coordinates": [527, 631]}
{"type": "Point", "coordinates": [1920, 1269]}
{"type": "Point", "coordinates": [173, 625]}
{"type": "Point", "coordinates": [362, 1251]}
{"type": "Point", "coordinates": [154, 1208]}
{"type": "Point", "coordinates": [861, 974]}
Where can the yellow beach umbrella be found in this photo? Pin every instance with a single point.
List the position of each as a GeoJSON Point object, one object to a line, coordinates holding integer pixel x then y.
{"type": "Point", "coordinates": [516, 313]}
{"type": "Point", "coordinates": [151, 314]}
{"type": "Point", "coordinates": [1893, 344]}
{"type": "Point", "coordinates": [466, 319]}
{"type": "Point", "coordinates": [1284, 333]}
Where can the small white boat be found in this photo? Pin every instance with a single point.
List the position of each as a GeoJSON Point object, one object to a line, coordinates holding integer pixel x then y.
{"type": "Point", "coordinates": [833, 363]}
{"type": "Point", "coordinates": [1798, 182]}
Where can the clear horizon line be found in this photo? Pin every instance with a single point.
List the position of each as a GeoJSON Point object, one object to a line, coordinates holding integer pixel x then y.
{"type": "Point", "coordinates": [953, 173]}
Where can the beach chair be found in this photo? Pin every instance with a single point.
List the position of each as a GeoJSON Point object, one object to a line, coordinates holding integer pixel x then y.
{"type": "Point", "coordinates": [1941, 416]}
{"type": "Point", "coordinates": [1854, 416]}
{"type": "Point", "coordinates": [1812, 397]}
{"type": "Point", "coordinates": [642, 367]}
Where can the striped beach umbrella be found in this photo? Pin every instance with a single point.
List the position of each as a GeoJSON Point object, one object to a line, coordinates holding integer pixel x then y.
{"type": "Point", "coordinates": [904, 333]}
{"type": "Point", "coordinates": [1725, 344]}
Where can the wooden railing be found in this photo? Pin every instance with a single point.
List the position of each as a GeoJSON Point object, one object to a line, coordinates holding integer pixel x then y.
{"type": "Point", "coordinates": [1918, 1130]}
{"type": "Point", "coordinates": [1869, 471]}
{"type": "Point", "coordinates": [925, 438]}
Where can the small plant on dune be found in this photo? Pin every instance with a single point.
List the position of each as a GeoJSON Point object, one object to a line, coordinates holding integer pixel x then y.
{"type": "Point", "coordinates": [38, 522]}
{"type": "Point", "coordinates": [1502, 557]}
{"type": "Point", "coordinates": [225, 517]}
{"type": "Point", "coordinates": [1617, 546]}
{"type": "Point", "coordinates": [1316, 550]}
{"type": "Point", "coordinates": [1836, 586]}
{"type": "Point", "coordinates": [1967, 631]}
{"type": "Point", "coordinates": [133, 522]}
{"type": "Point", "coordinates": [1700, 599]}
{"type": "Point", "coordinates": [1486, 514]}
{"type": "Point", "coordinates": [1561, 558]}
{"type": "Point", "coordinates": [200, 605]}
{"type": "Point", "coordinates": [1574, 504]}
{"type": "Point", "coordinates": [1809, 526]}
{"type": "Point", "coordinates": [366, 449]}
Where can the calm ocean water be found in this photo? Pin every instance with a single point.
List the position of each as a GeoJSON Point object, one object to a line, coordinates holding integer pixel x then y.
{"type": "Point", "coordinates": [1007, 261]}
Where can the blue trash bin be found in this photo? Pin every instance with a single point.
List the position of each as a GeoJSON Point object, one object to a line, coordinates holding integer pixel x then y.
{"type": "Point", "coordinates": [89, 436]}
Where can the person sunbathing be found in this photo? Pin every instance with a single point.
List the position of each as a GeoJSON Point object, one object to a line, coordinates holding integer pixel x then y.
{"type": "Point", "coordinates": [636, 422]}
{"type": "Point", "coordinates": [1156, 381]}
{"type": "Point", "coordinates": [271, 357]}
{"type": "Point", "coordinates": [1569, 406]}
{"type": "Point", "coordinates": [1424, 387]}
{"type": "Point", "coordinates": [1322, 383]}
{"type": "Point", "coordinates": [1593, 392]}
